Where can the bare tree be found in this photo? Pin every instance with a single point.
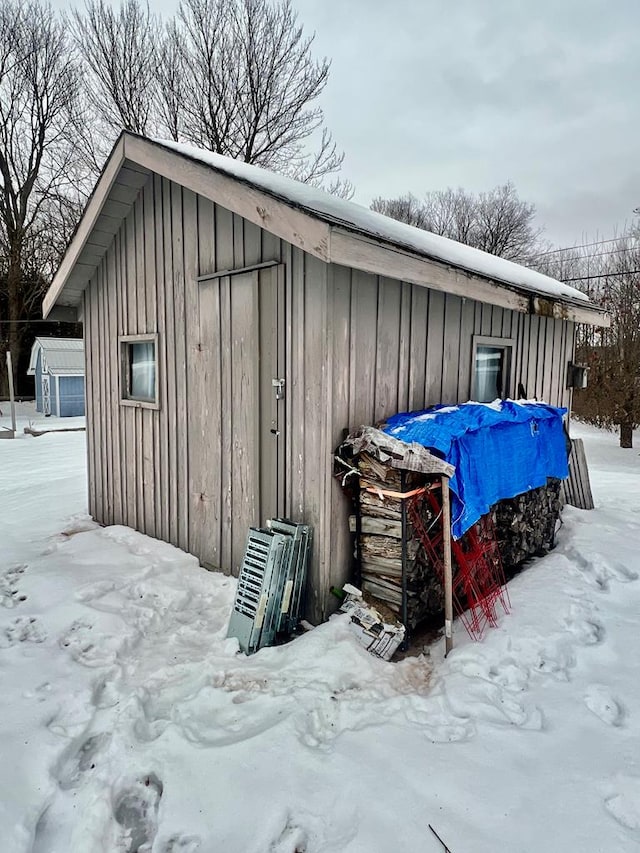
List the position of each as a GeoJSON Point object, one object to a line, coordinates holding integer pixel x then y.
{"type": "Point", "coordinates": [497, 221]}
{"type": "Point", "coordinates": [253, 86]}
{"type": "Point", "coordinates": [120, 55]}
{"type": "Point", "coordinates": [38, 82]}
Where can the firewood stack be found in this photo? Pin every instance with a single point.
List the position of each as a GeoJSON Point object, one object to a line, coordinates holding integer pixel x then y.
{"type": "Point", "coordinates": [372, 467]}
{"type": "Point", "coordinates": [525, 525]}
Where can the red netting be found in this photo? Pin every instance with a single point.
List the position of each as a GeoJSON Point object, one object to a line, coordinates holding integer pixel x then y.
{"type": "Point", "coordinates": [478, 579]}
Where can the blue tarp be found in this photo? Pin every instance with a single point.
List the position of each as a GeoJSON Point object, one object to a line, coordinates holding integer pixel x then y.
{"type": "Point", "coordinates": [499, 450]}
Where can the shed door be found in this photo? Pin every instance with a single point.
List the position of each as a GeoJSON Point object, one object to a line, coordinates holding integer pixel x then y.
{"type": "Point", "coordinates": [251, 390]}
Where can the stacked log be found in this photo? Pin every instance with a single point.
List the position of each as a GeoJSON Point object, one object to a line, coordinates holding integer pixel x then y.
{"type": "Point", "coordinates": [526, 524]}
{"type": "Point", "coordinates": [380, 543]}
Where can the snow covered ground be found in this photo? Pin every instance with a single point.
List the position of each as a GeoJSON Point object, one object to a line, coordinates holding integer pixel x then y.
{"type": "Point", "coordinates": [129, 722]}
{"type": "Point", "coordinates": [26, 416]}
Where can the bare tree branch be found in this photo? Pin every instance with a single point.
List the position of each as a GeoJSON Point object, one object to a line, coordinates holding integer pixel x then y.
{"type": "Point", "coordinates": [497, 221]}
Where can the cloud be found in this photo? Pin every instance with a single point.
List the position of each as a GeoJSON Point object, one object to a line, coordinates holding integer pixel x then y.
{"type": "Point", "coordinates": [429, 94]}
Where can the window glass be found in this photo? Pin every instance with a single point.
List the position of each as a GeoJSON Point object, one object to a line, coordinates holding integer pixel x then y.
{"type": "Point", "coordinates": [489, 373]}
{"type": "Point", "coordinates": [142, 371]}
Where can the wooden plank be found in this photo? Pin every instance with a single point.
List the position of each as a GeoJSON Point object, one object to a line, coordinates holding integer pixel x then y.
{"type": "Point", "coordinates": [104, 399]}
{"type": "Point", "coordinates": [114, 329]}
{"type": "Point", "coordinates": [182, 398]}
{"type": "Point", "coordinates": [90, 398]}
{"type": "Point", "coordinates": [435, 349]}
{"type": "Point", "coordinates": [136, 286]}
{"type": "Point", "coordinates": [465, 367]}
{"type": "Point", "coordinates": [339, 306]}
{"type": "Point", "coordinates": [532, 361]}
{"type": "Point", "coordinates": [224, 257]}
{"type": "Point", "coordinates": [226, 485]}
{"type": "Point", "coordinates": [555, 368]}
{"type": "Point", "coordinates": [244, 411]}
{"type": "Point", "coordinates": [191, 333]}
{"type": "Point", "coordinates": [577, 488]}
{"type": "Point", "coordinates": [111, 367]}
{"type": "Point", "coordinates": [207, 420]}
{"type": "Point", "coordinates": [295, 402]}
{"type": "Point", "coordinates": [252, 243]}
{"type": "Point", "coordinates": [497, 318]}
{"type": "Point", "coordinates": [377, 526]}
{"type": "Point", "coordinates": [418, 347]}
{"type": "Point", "coordinates": [451, 353]}
{"type": "Point", "coordinates": [406, 355]}
{"type": "Point", "coordinates": [172, 496]}
{"type": "Point", "coordinates": [547, 360]}
{"type": "Point", "coordinates": [317, 463]}
{"type": "Point", "coordinates": [364, 311]}
{"type": "Point", "coordinates": [386, 349]}
{"type": "Point", "coordinates": [97, 409]}
{"type": "Point", "coordinates": [270, 428]}
{"type": "Point", "coordinates": [278, 275]}
{"type": "Point", "coordinates": [161, 448]}
{"type": "Point", "coordinates": [120, 314]}
{"type": "Point", "coordinates": [206, 236]}
{"type": "Point", "coordinates": [150, 417]}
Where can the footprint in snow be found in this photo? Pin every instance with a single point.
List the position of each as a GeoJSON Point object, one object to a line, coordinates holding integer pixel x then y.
{"type": "Point", "coordinates": [135, 809]}
{"type": "Point", "coordinates": [181, 844]}
{"type": "Point", "coordinates": [79, 760]}
{"type": "Point", "coordinates": [624, 804]}
{"type": "Point", "coordinates": [10, 595]}
{"type": "Point", "coordinates": [600, 702]}
{"type": "Point", "coordinates": [292, 839]}
{"type": "Point", "coordinates": [86, 648]}
{"type": "Point", "coordinates": [24, 629]}
{"type": "Point", "coordinates": [584, 625]}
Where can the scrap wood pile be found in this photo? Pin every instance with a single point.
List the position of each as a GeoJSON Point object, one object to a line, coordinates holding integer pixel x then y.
{"type": "Point", "coordinates": [381, 473]}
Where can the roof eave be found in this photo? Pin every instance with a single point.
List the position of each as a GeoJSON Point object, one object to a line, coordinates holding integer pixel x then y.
{"type": "Point", "coordinates": [362, 251]}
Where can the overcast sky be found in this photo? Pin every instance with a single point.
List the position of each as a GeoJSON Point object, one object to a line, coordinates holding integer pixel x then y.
{"type": "Point", "coordinates": [426, 94]}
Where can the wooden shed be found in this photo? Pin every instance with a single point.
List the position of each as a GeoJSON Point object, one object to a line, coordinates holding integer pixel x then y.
{"type": "Point", "coordinates": [238, 322]}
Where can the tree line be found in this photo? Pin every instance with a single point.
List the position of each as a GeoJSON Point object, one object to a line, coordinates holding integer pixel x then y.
{"type": "Point", "coordinates": [240, 78]}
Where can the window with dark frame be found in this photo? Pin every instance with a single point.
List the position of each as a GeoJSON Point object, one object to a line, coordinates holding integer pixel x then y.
{"type": "Point", "coordinates": [491, 369]}
{"type": "Point", "coordinates": [139, 373]}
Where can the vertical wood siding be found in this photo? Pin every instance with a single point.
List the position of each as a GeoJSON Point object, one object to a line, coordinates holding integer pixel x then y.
{"type": "Point", "coordinates": [357, 348]}
{"type": "Point", "coordinates": [398, 347]}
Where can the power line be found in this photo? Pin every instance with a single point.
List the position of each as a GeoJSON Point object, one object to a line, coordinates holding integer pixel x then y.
{"type": "Point", "coordinates": [601, 275]}
{"type": "Point", "coordinates": [579, 246]}
{"type": "Point", "coordinates": [50, 322]}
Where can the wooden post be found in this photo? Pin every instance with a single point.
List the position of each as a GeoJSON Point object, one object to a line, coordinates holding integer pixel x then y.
{"type": "Point", "coordinates": [448, 577]}
{"type": "Point", "coordinates": [11, 392]}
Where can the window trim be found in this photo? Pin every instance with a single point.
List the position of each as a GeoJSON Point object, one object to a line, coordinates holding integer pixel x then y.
{"type": "Point", "coordinates": [124, 374]}
{"type": "Point", "coordinates": [508, 346]}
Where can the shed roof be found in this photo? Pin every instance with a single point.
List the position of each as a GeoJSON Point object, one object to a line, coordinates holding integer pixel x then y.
{"type": "Point", "coordinates": [63, 356]}
{"type": "Point", "coordinates": [328, 227]}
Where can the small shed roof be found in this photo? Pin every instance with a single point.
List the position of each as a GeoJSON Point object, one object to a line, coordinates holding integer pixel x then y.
{"type": "Point", "coordinates": [63, 356]}
{"type": "Point", "coordinates": [332, 229]}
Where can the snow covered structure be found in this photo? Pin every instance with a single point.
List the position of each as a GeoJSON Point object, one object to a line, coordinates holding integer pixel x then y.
{"type": "Point", "coordinates": [57, 365]}
{"type": "Point", "coordinates": [238, 322]}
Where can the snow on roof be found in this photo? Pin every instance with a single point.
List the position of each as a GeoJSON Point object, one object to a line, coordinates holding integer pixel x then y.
{"type": "Point", "coordinates": [338, 211]}
{"type": "Point", "coordinates": [63, 356]}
